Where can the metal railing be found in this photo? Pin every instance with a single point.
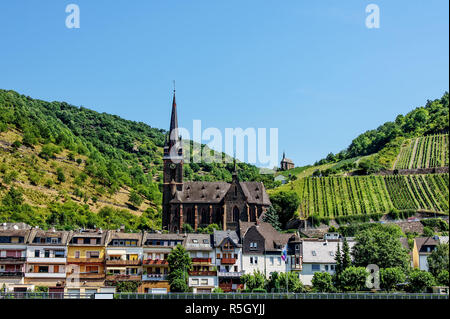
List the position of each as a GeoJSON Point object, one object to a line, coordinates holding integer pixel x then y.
{"type": "Point", "coordinates": [268, 296]}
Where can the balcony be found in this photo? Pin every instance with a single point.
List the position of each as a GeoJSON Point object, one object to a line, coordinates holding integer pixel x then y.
{"type": "Point", "coordinates": [155, 262]}
{"type": "Point", "coordinates": [202, 273]}
{"type": "Point", "coordinates": [12, 260]}
{"type": "Point", "coordinates": [85, 260]}
{"type": "Point", "coordinates": [11, 274]}
{"type": "Point", "coordinates": [47, 260]}
{"type": "Point", "coordinates": [154, 277]}
{"type": "Point", "coordinates": [123, 277]}
{"type": "Point", "coordinates": [228, 261]}
{"type": "Point", "coordinates": [296, 267]}
{"type": "Point", "coordinates": [230, 274]}
{"type": "Point", "coordinates": [230, 287]}
{"type": "Point", "coordinates": [45, 274]}
{"type": "Point", "coordinates": [201, 261]}
{"type": "Point", "coordinates": [123, 262]}
{"type": "Point", "coordinates": [90, 275]}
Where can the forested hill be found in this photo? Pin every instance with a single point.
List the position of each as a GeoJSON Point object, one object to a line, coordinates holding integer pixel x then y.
{"type": "Point", "coordinates": [54, 154]}
{"type": "Point", "coordinates": [431, 119]}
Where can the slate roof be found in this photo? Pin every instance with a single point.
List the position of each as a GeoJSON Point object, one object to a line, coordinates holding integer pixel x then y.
{"type": "Point", "coordinates": [287, 160]}
{"type": "Point", "coordinates": [321, 251]}
{"type": "Point", "coordinates": [198, 242]}
{"type": "Point", "coordinates": [272, 238]}
{"type": "Point", "coordinates": [35, 232]}
{"type": "Point", "coordinates": [425, 241]}
{"type": "Point", "coordinates": [122, 235]}
{"type": "Point", "coordinates": [214, 192]}
{"type": "Point", "coordinates": [220, 235]}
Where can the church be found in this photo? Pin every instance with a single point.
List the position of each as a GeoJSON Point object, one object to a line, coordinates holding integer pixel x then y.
{"type": "Point", "coordinates": [202, 203]}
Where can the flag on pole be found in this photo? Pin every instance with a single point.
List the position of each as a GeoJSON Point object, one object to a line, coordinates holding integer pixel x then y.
{"type": "Point", "coordinates": [284, 254]}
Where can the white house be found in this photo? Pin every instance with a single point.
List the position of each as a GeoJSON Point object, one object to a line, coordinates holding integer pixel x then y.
{"type": "Point", "coordinates": [203, 276]}
{"type": "Point", "coordinates": [319, 255]}
{"type": "Point", "coordinates": [228, 251]}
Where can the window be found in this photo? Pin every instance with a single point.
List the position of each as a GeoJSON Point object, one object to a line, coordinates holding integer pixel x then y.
{"type": "Point", "coordinates": [54, 240]}
{"type": "Point", "coordinates": [195, 282]}
{"type": "Point", "coordinates": [271, 261]}
{"type": "Point", "coordinates": [46, 253]}
{"type": "Point", "coordinates": [256, 260]}
{"type": "Point", "coordinates": [37, 253]}
{"type": "Point", "coordinates": [92, 254]}
{"type": "Point", "coordinates": [315, 267]}
{"type": "Point", "coordinates": [43, 269]}
{"type": "Point", "coordinates": [279, 261]}
{"type": "Point", "coordinates": [332, 267]}
{"type": "Point", "coordinates": [59, 253]}
{"type": "Point", "coordinates": [253, 245]}
{"type": "Point", "coordinates": [195, 241]}
{"type": "Point", "coordinates": [204, 282]}
{"type": "Point", "coordinates": [77, 254]}
{"type": "Point", "coordinates": [326, 267]}
{"type": "Point", "coordinates": [251, 260]}
{"type": "Point", "coordinates": [92, 269]}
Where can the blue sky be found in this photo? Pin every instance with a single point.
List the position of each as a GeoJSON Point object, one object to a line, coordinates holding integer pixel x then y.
{"type": "Point", "coordinates": [310, 68]}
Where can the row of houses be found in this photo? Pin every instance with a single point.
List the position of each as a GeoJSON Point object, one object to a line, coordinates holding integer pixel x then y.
{"type": "Point", "coordinates": [91, 261]}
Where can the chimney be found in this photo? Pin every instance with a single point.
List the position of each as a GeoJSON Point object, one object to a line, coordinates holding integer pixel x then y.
{"type": "Point", "coordinates": [122, 228]}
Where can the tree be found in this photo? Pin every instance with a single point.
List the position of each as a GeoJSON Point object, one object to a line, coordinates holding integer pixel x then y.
{"type": "Point", "coordinates": [289, 281]}
{"type": "Point", "coordinates": [255, 281]}
{"type": "Point", "coordinates": [322, 282]}
{"type": "Point", "coordinates": [13, 198]}
{"type": "Point", "coordinates": [419, 280]}
{"type": "Point", "coordinates": [442, 278]}
{"type": "Point", "coordinates": [179, 265]}
{"type": "Point", "coordinates": [380, 247]}
{"type": "Point", "coordinates": [438, 260]}
{"type": "Point", "coordinates": [391, 277]}
{"type": "Point", "coordinates": [346, 259]}
{"type": "Point", "coordinates": [338, 259]}
{"type": "Point", "coordinates": [271, 217]}
{"type": "Point", "coordinates": [286, 204]}
{"type": "Point", "coordinates": [135, 198]}
{"type": "Point", "coordinates": [60, 175]}
{"type": "Point", "coordinates": [353, 278]}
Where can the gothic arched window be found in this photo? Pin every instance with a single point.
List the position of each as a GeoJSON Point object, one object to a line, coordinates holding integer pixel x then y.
{"type": "Point", "coordinates": [204, 216]}
{"type": "Point", "coordinates": [235, 214]}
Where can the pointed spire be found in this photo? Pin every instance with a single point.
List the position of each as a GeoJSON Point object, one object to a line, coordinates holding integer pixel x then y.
{"type": "Point", "coordinates": [174, 118]}
{"type": "Point", "coordinates": [234, 174]}
{"type": "Point", "coordinates": [284, 156]}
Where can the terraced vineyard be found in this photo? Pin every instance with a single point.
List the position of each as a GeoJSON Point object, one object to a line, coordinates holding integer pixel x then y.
{"type": "Point", "coordinates": [342, 196]}
{"type": "Point", "coordinates": [423, 152]}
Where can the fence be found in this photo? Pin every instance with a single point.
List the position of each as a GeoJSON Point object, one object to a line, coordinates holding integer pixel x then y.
{"type": "Point", "coordinates": [187, 296]}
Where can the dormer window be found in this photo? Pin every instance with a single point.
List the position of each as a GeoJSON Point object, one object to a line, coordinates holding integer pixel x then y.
{"type": "Point", "coordinates": [195, 241]}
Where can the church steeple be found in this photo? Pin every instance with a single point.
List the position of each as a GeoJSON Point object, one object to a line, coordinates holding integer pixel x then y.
{"type": "Point", "coordinates": [174, 120]}
{"type": "Point", "coordinates": [173, 137]}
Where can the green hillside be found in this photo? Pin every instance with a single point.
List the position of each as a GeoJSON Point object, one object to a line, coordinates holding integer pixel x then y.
{"type": "Point", "coordinates": [334, 197]}
{"type": "Point", "coordinates": [423, 152]}
{"type": "Point", "coordinates": [348, 183]}
{"type": "Point", "coordinates": [73, 167]}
